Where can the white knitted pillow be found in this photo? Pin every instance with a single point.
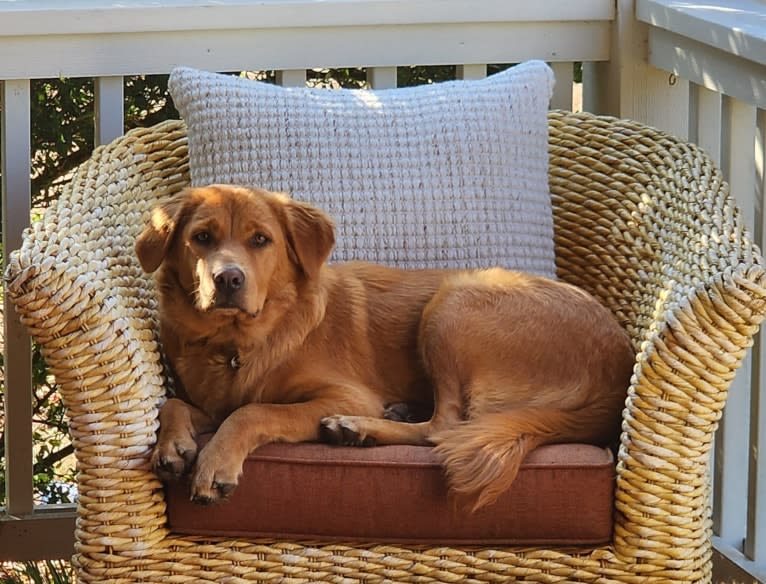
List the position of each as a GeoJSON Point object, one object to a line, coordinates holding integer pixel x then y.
{"type": "Point", "coordinates": [452, 174]}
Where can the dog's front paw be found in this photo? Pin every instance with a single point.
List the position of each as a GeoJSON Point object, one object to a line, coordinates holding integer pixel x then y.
{"type": "Point", "coordinates": [174, 455]}
{"type": "Point", "coordinates": [343, 431]}
{"type": "Point", "coordinates": [215, 476]}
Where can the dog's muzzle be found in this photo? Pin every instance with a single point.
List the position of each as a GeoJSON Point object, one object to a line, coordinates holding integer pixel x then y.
{"type": "Point", "coordinates": [229, 282]}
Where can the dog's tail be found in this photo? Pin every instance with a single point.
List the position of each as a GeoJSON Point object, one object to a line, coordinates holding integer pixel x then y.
{"type": "Point", "coordinates": [482, 456]}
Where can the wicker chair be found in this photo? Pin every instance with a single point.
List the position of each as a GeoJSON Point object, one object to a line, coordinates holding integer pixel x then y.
{"type": "Point", "coordinates": [643, 221]}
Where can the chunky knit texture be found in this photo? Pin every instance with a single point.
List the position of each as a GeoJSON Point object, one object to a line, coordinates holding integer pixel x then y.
{"type": "Point", "coordinates": [445, 175]}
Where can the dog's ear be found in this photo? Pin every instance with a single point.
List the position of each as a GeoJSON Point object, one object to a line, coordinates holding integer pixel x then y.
{"type": "Point", "coordinates": [310, 235]}
{"type": "Point", "coordinates": [153, 243]}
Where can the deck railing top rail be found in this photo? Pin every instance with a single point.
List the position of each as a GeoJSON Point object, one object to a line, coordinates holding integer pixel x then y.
{"type": "Point", "coordinates": [35, 17]}
{"type": "Point", "coordinates": [81, 38]}
{"type": "Point", "coordinates": [737, 27]}
{"type": "Point", "coordinates": [720, 46]}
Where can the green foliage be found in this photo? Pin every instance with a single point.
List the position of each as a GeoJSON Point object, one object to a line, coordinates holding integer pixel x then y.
{"type": "Point", "coordinates": [62, 131]}
{"type": "Point", "coordinates": [349, 78]}
{"type": "Point", "coordinates": [53, 473]}
{"type": "Point", "coordinates": [418, 75]}
{"type": "Point", "coordinates": [46, 572]}
{"type": "Point", "coordinates": [62, 117]}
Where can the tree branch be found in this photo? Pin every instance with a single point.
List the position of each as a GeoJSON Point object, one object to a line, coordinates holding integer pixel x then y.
{"type": "Point", "coordinates": [53, 458]}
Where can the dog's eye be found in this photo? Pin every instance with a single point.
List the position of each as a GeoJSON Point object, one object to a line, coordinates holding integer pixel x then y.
{"type": "Point", "coordinates": [259, 240]}
{"type": "Point", "coordinates": [202, 237]}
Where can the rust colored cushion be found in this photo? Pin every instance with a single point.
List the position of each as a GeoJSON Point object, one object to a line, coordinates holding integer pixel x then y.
{"type": "Point", "coordinates": [562, 495]}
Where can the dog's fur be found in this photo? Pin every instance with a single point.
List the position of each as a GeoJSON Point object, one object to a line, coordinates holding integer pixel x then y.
{"type": "Point", "coordinates": [269, 343]}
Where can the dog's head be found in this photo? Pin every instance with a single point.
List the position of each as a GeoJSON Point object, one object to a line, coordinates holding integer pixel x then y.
{"type": "Point", "coordinates": [229, 247]}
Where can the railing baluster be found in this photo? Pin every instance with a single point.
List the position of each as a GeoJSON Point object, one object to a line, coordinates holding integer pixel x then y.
{"type": "Point", "coordinates": [732, 439]}
{"type": "Point", "coordinates": [562, 91]}
{"type": "Point", "coordinates": [291, 78]}
{"type": "Point", "coordinates": [755, 540]}
{"type": "Point", "coordinates": [705, 109]}
{"type": "Point", "coordinates": [381, 77]}
{"type": "Point", "coordinates": [706, 127]}
{"type": "Point", "coordinates": [737, 161]}
{"type": "Point", "coordinates": [110, 109]}
{"type": "Point", "coordinates": [472, 71]}
{"type": "Point", "coordinates": [16, 186]}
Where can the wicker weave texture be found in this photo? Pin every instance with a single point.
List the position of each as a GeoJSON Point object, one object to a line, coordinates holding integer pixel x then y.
{"type": "Point", "coordinates": [642, 220]}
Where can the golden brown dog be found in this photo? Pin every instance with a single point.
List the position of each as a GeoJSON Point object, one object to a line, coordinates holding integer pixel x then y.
{"type": "Point", "coordinates": [269, 343]}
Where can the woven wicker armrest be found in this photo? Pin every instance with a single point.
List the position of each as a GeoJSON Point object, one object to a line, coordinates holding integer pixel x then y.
{"type": "Point", "coordinates": [645, 222]}
{"type": "Point", "coordinates": [80, 291]}
{"type": "Point", "coordinates": [642, 220]}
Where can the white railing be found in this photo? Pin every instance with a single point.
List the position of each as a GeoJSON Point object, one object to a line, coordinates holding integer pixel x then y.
{"type": "Point", "coordinates": [716, 52]}
{"type": "Point", "coordinates": [703, 77]}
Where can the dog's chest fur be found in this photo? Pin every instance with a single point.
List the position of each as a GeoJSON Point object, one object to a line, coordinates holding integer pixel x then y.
{"type": "Point", "coordinates": [366, 336]}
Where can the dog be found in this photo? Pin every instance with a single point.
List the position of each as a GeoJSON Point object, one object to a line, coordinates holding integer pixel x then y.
{"type": "Point", "coordinates": [268, 342]}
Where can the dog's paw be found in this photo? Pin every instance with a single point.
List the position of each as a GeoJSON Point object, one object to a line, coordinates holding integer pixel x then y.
{"type": "Point", "coordinates": [343, 431]}
{"type": "Point", "coordinates": [215, 477]}
{"type": "Point", "coordinates": [174, 456]}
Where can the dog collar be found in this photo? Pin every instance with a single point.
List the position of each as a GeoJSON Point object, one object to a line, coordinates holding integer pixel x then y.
{"type": "Point", "coordinates": [234, 363]}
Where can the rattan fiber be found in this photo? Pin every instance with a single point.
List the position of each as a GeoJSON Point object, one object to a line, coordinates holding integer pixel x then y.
{"type": "Point", "coordinates": [643, 220]}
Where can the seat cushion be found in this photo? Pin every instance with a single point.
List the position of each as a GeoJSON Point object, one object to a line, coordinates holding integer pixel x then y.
{"type": "Point", "coordinates": [563, 495]}
{"type": "Point", "coordinates": [450, 175]}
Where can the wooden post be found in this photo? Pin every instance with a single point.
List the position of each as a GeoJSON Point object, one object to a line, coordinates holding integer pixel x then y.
{"type": "Point", "coordinates": [627, 86]}
{"type": "Point", "coordinates": [16, 188]}
{"type": "Point", "coordinates": [110, 109]}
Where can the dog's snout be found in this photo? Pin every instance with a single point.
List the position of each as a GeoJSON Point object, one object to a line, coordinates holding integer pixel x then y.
{"type": "Point", "coordinates": [229, 279]}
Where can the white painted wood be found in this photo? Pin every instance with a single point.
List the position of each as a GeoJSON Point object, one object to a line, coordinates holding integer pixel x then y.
{"type": "Point", "coordinates": [562, 91]}
{"type": "Point", "coordinates": [755, 539]}
{"type": "Point", "coordinates": [472, 71]}
{"type": "Point", "coordinates": [597, 78]}
{"type": "Point", "coordinates": [760, 172]}
{"type": "Point", "coordinates": [731, 462]}
{"type": "Point", "coordinates": [96, 55]}
{"type": "Point", "coordinates": [737, 27]}
{"type": "Point", "coordinates": [43, 17]}
{"type": "Point", "coordinates": [737, 159]}
{"type": "Point", "coordinates": [734, 554]}
{"type": "Point", "coordinates": [662, 102]}
{"type": "Point", "coordinates": [291, 78]}
{"type": "Point", "coordinates": [109, 109]}
{"type": "Point", "coordinates": [609, 86]}
{"type": "Point", "coordinates": [48, 532]}
{"type": "Point", "coordinates": [627, 86]}
{"type": "Point", "coordinates": [16, 196]}
{"type": "Point", "coordinates": [720, 47]}
{"type": "Point", "coordinates": [733, 438]}
{"type": "Point", "coordinates": [715, 69]}
{"type": "Point", "coordinates": [705, 125]}
{"type": "Point", "coordinates": [382, 77]}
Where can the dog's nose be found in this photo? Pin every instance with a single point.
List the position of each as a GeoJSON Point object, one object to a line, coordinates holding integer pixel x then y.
{"type": "Point", "coordinates": [229, 279]}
